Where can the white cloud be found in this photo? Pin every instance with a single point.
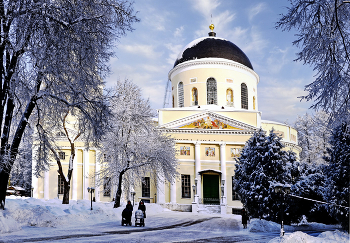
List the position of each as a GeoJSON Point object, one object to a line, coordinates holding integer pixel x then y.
{"type": "Point", "coordinates": [141, 49]}
{"type": "Point", "coordinates": [277, 100]}
{"type": "Point", "coordinates": [256, 10]}
{"type": "Point", "coordinates": [174, 52]}
{"type": "Point", "coordinates": [178, 32]}
{"type": "Point", "coordinates": [205, 7]}
{"type": "Point", "coordinates": [277, 59]}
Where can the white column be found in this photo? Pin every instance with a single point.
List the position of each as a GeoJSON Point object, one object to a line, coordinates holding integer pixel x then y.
{"type": "Point", "coordinates": [173, 192]}
{"type": "Point", "coordinates": [46, 185]}
{"type": "Point", "coordinates": [197, 155]}
{"type": "Point", "coordinates": [97, 170]}
{"type": "Point", "coordinates": [75, 177]}
{"type": "Point", "coordinates": [85, 174]}
{"type": "Point", "coordinates": [34, 178]}
{"type": "Point", "coordinates": [160, 190]}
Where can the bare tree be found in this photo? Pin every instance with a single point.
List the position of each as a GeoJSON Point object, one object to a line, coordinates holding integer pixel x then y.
{"type": "Point", "coordinates": [52, 54]}
{"type": "Point", "coordinates": [324, 38]}
{"type": "Point", "coordinates": [134, 146]}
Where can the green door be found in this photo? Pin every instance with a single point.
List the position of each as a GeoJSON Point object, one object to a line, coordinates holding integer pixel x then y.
{"type": "Point", "coordinates": [211, 189]}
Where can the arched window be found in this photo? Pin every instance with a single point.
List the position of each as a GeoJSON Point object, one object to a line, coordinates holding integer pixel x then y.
{"type": "Point", "coordinates": [229, 97]}
{"type": "Point", "coordinates": [244, 96]}
{"type": "Point", "coordinates": [253, 102]}
{"type": "Point", "coordinates": [194, 96]}
{"type": "Point", "coordinates": [211, 92]}
{"type": "Point", "coordinates": [180, 94]}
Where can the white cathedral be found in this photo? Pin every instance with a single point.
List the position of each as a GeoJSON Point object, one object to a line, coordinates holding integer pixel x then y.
{"type": "Point", "coordinates": [214, 112]}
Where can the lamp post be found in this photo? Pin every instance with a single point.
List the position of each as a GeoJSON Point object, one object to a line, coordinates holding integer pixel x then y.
{"type": "Point", "coordinates": [32, 191]}
{"type": "Point", "coordinates": [282, 191]}
{"type": "Point", "coordinates": [194, 190]}
{"type": "Point", "coordinates": [195, 182]}
{"type": "Point", "coordinates": [91, 190]}
{"type": "Point", "coordinates": [133, 197]}
{"type": "Point", "coordinates": [155, 197]}
{"type": "Point", "coordinates": [222, 190]}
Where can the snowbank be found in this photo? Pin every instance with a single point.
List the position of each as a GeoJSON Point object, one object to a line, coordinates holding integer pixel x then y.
{"type": "Point", "coordinates": [325, 237]}
{"type": "Point", "coordinates": [260, 225]}
{"type": "Point", "coordinates": [21, 211]}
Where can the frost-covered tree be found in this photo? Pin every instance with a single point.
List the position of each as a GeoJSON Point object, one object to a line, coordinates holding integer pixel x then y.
{"type": "Point", "coordinates": [262, 163]}
{"type": "Point", "coordinates": [324, 38]}
{"type": "Point", "coordinates": [52, 53]}
{"type": "Point", "coordinates": [338, 174]}
{"type": "Point", "coordinates": [21, 173]}
{"type": "Point", "coordinates": [134, 146]}
{"type": "Point", "coordinates": [313, 136]}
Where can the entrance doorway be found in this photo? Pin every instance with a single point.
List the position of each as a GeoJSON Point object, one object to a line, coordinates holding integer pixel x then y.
{"type": "Point", "coordinates": [211, 189]}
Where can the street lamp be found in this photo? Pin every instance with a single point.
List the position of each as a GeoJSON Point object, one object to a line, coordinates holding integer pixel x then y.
{"type": "Point", "coordinates": [32, 191]}
{"type": "Point", "coordinates": [91, 190]}
{"type": "Point", "coordinates": [222, 190]}
{"type": "Point", "coordinates": [133, 197]}
{"type": "Point", "coordinates": [195, 182]}
{"type": "Point", "coordinates": [155, 197]}
{"type": "Point", "coordinates": [194, 190]}
{"type": "Point", "coordinates": [282, 191]}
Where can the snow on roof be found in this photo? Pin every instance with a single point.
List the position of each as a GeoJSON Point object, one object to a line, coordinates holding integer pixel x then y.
{"type": "Point", "coordinates": [194, 43]}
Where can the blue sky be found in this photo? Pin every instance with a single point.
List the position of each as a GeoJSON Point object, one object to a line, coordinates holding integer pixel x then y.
{"type": "Point", "coordinates": [147, 54]}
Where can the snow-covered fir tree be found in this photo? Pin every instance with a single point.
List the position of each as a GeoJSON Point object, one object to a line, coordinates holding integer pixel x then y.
{"type": "Point", "coordinates": [134, 147]}
{"type": "Point", "coordinates": [338, 174]}
{"type": "Point", "coordinates": [323, 28]}
{"type": "Point", "coordinates": [262, 164]}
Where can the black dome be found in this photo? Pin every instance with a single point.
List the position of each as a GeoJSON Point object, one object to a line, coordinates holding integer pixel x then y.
{"type": "Point", "coordinates": [213, 47]}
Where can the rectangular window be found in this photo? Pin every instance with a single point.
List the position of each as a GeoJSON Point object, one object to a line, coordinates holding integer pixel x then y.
{"type": "Point", "coordinates": [234, 193]}
{"type": "Point", "coordinates": [60, 185]}
{"type": "Point", "coordinates": [107, 187]}
{"type": "Point", "coordinates": [146, 189]}
{"type": "Point", "coordinates": [62, 155]}
{"type": "Point", "coordinates": [186, 186]}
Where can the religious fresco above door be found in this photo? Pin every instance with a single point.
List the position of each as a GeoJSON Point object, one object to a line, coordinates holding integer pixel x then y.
{"type": "Point", "coordinates": [208, 123]}
{"type": "Point", "coordinates": [184, 150]}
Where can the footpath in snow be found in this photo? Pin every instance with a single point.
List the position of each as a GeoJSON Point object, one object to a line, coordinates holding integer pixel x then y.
{"type": "Point", "coordinates": [35, 218]}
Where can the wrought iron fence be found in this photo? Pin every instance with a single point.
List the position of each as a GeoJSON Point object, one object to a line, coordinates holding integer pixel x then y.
{"type": "Point", "coordinates": [209, 201]}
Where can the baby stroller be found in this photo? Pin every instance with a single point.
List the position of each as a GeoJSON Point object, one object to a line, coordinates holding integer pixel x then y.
{"type": "Point", "coordinates": [139, 218]}
{"type": "Point", "coordinates": [126, 217]}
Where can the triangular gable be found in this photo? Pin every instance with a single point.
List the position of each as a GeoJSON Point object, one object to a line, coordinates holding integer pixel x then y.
{"type": "Point", "coordinates": [208, 120]}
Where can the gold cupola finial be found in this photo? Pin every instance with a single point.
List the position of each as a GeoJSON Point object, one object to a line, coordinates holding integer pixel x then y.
{"type": "Point", "coordinates": [211, 27]}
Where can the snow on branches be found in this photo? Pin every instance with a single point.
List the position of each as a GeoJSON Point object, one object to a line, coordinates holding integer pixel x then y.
{"type": "Point", "coordinates": [134, 146]}
{"type": "Point", "coordinates": [324, 38]}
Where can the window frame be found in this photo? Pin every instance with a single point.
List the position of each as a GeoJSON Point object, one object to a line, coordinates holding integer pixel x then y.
{"type": "Point", "coordinates": [212, 91]}
{"type": "Point", "coordinates": [62, 155]}
{"type": "Point", "coordinates": [60, 185]}
{"type": "Point", "coordinates": [107, 187]}
{"type": "Point", "coordinates": [180, 94]}
{"type": "Point", "coordinates": [244, 96]}
{"type": "Point", "coordinates": [185, 186]}
{"type": "Point", "coordinates": [146, 187]}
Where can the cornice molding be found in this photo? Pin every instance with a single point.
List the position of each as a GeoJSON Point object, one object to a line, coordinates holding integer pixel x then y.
{"type": "Point", "coordinates": [207, 61]}
{"type": "Point", "coordinates": [194, 117]}
{"type": "Point", "coordinates": [207, 131]}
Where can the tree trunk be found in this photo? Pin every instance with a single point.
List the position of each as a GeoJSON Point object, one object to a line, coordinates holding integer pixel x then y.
{"type": "Point", "coordinates": [66, 192]}
{"type": "Point", "coordinates": [119, 191]}
{"type": "Point", "coordinates": [4, 177]}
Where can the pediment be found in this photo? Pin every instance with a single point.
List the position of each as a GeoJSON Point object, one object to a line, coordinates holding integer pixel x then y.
{"type": "Point", "coordinates": [208, 120]}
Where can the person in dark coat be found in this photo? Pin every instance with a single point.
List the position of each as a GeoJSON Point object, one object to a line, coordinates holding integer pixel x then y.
{"type": "Point", "coordinates": [142, 207]}
{"type": "Point", "coordinates": [129, 206]}
{"type": "Point", "coordinates": [244, 218]}
{"type": "Point", "coordinates": [127, 212]}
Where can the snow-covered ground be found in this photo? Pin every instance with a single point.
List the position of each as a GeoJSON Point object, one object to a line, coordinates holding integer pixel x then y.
{"type": "Point", "coordinates": [29, 219]}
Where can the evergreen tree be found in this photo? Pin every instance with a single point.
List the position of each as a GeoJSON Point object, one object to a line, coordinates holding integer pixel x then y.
{"type": "Point", "coordinates": [262, 163]}
{"type": "Point", "coordinates": [338, 174]}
